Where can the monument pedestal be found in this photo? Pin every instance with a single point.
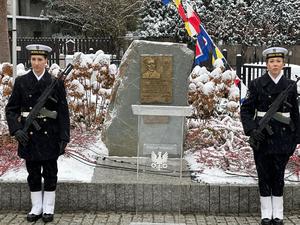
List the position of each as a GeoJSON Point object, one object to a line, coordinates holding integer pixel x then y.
{"type": "Point", "coordinates": [160, 139]}
{"type": "Point", "coordinates": [161, 129]}
{"type": "Point", "coordinates": [160, 134]}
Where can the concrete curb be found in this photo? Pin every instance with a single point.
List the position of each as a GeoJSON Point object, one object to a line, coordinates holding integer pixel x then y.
{"type": "Point", "coordinates": [194, 198]}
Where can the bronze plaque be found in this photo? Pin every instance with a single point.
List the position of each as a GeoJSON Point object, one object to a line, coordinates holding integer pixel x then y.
{"type": "Point", "coordinates": [156, 119]}
{"type": "Point", "coordinates": [156, 79]}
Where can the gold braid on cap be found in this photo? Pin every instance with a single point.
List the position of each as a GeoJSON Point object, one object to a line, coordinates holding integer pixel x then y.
{"type": "Point", "coordinates": [273, 55]}
{"type": "Point", "coordinates": [38, 52]}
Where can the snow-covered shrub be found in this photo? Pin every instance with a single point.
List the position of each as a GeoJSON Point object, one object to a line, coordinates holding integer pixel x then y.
{"type": "Point", "coordinates": [89, 88]}
{"type": "Point", "coordinates": [8, 149]}
{"type": "Point", "coordinates": [207, 91]}
{"type": "Point", "coordinates": [215, 136]}
{"type": "Point", "coordinates": [6, 84]}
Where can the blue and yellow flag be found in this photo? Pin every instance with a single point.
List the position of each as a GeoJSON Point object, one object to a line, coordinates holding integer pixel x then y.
{"type": "Point", "coordinates": [217, 54]}
{"type": "Point", "coordinates": [204, 45]}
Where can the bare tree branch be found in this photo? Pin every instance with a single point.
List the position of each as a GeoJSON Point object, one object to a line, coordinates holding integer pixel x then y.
{"type": "Point", "coordinates": [109, 17]}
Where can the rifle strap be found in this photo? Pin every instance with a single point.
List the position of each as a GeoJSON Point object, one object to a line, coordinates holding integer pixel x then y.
{"type": "Point", "coordinates": [42, 114]}
{"type": "Point", "coordinates": [279, 116]}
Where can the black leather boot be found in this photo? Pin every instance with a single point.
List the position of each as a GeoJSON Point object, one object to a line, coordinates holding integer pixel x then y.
{"type": "Point", "coordinates": [32, 217]}
{"type": "Point", "coordinates": [266, 221]}
{"type": "Point", "coordinates": [47, 217]}
{"type": "Point", "coordinates": [277, 221]}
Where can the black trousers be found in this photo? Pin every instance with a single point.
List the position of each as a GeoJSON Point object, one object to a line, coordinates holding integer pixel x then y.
{"type": "Point", "coordinates": [270, 170]}
{"type": "Point", "coordinates": [38, 169]}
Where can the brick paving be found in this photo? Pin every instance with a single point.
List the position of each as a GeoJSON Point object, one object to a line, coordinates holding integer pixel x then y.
{"type": "Point", "coordinates": [112, 218]}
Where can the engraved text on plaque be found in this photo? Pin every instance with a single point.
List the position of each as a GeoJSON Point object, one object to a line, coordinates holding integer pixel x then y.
{"type": "Point", "coordinates": [156, 79]}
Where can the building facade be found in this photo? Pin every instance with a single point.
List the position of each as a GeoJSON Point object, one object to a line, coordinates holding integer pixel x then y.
{"type": "Point", "coordinates": [31, 20]}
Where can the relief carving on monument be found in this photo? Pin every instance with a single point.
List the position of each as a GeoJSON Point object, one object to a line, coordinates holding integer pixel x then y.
{"type": "Point", "coordinates": [156, 79]}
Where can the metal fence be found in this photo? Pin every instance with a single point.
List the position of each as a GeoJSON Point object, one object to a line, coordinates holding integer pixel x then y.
{"type": "Point", "coordinates": [248, 71]}
{"type": "Point", "coordinates": [64, 46]}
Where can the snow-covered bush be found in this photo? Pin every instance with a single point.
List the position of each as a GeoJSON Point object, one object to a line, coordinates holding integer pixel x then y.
{"type": "Point", "coordinates": [213, 93]}
{"type": "Point", "coordinates": [89, 88]}
{"type": "Point", "coordinates": [215, 136]}
{"type": "Point", "coordinates": [6, 84]}
{"type": "Point", "coordinates": [88, 91]}
{"type": "Point", "coordinates": [8, 153]}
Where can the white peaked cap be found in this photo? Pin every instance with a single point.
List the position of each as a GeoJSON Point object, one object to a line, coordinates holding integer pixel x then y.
{"type": "Point", "coordinates": [275, 52]}
{"type": "Point", "coordinates": [37, 49]}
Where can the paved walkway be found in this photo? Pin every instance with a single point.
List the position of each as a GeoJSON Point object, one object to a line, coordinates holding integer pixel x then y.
{"type": "Point", "coordinates": [100, 218]}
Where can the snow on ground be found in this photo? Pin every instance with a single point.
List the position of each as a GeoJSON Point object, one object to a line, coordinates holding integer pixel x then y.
{"type": "Point", "coordinates": [219, 176]}
{"type": "Point", "coordinates": [215, 175]}
{"type": "Point", "coordinates": [78, 164]}
{"type": "Point", "coordinates": [72, 170]}
{"type": "Point", "coordinates": [69, 169]}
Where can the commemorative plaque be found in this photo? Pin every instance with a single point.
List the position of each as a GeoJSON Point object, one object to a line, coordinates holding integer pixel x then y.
{"type": "Point", "coordinates": [156, 79]}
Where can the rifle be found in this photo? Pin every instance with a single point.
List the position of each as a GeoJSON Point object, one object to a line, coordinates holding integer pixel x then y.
{"type": "Point", "coordinates": [264, 122]}
{"type": "Point", "coordinates": [38, 107]}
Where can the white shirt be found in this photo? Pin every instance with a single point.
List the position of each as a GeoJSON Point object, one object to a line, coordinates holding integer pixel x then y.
{"type": "Point", "coordinates": [276, 80]}
{"type": "Point", "coordinates": [39, 77]}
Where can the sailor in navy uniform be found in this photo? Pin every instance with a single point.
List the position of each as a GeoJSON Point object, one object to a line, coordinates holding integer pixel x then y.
{"type": "Point", "coordinates": [40, 148]}
{"type": "Point", "coordinates": [274, 150]}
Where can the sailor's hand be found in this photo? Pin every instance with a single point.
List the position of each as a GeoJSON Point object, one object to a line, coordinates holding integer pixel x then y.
{"type": "Point", "coordinates": [257, 135]}
{"type": "Point", "coordinates": [21, 137]}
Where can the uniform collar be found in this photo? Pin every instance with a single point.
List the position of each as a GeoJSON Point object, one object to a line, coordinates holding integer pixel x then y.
{"type": "Point", "coordinates": [45, 79]}
{"type": "Point", "coordinates": [276, 80]}
{"type": "Point", "coordinates": [39, 77]}
{"type": "Point", "coordinates": [272, 87]}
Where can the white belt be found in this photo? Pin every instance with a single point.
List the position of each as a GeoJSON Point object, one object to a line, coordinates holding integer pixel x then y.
{"type": "Point", "coordinates": [262, 114]}
{"type": "Point", "coordinates": [25, 114]}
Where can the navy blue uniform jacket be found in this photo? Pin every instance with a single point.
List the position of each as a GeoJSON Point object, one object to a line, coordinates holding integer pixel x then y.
{"type": "Point", "coordinates": [43, 144]}
{"type": "Point", "coordinates": [261, 93]}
